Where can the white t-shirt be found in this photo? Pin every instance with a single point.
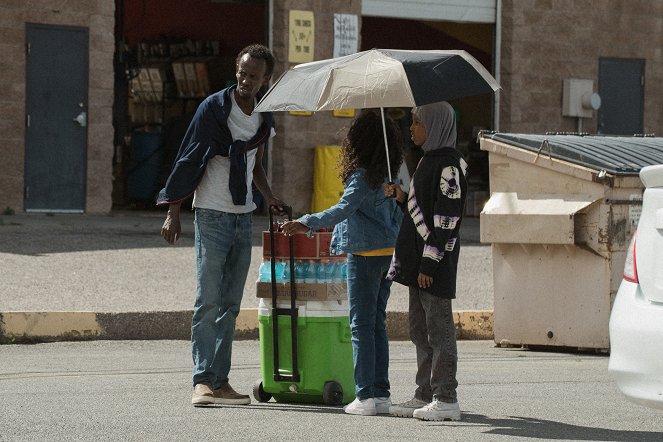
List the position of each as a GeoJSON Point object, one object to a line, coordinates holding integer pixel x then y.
{"type": "Point", "coordinates": [213, 192]}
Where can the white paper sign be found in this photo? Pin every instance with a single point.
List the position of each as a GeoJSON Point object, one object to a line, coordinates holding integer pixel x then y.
{"type": "Point", "coordinates": [346, 29]}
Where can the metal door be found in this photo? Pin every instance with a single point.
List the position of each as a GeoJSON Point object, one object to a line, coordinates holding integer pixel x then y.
{"type": "Point", "coordinates": [56, 118]}
{"type": "Point", "coordinates": [621, 87]}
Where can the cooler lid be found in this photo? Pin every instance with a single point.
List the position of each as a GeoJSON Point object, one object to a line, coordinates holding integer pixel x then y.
{"type": "Point", "coordinates": [617, 155]}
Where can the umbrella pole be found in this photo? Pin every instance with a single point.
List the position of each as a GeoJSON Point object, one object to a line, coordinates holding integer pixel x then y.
{"type": "Point", "coordinates": [386, 146]}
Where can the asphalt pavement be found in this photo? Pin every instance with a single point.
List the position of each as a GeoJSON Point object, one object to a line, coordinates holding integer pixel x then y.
{"type": "Point", "coordinates": [140, 391]}
{"type": "Point", "coordinates": [68, 276]}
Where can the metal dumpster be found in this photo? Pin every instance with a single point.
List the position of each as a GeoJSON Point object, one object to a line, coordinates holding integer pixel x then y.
{"type": "Point", "coordinates": [560, 217]}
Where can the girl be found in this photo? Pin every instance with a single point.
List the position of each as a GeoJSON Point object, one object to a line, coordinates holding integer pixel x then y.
{"type": "Point", "coordinates": [366, 227]}
{"type": "Point", "coordinates": [426, 260]}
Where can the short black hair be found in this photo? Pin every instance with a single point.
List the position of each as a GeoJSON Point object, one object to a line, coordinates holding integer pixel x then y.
{"type": "Point", "coordinates": [258, 51]}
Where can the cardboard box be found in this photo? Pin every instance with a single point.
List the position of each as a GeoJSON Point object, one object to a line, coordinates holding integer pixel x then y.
{"type": "Point", "coordinates": [315, 247]}
{"type": "Point", "coordinates": [303, 292]}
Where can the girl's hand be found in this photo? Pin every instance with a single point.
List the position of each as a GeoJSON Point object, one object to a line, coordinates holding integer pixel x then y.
{"type": "Point", "coordinates": [424, 281]}
{"type": "Point", "coordinates": [392, 190]}
{"type": "Point", "coordinates": [292, 227]}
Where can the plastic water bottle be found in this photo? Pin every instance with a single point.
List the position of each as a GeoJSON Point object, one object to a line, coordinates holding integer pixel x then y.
{"type": "Point", "coordinates": [300, 270]}
{"type": "Point", "coordinates": [310, 276]}
{"type": "Point", "coordinates": [336, 266]}
{"type": "Point", "coordinates": [278, 270]}
{"type": "Point", "coordinates": [265, 271]}
{"type": "Point", "coordinates": [286, 271]}
{"type": "Point", "coordinates": [324, 275]}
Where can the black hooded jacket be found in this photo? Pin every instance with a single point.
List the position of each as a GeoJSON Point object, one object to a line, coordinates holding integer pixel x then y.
{"type": "Point", "coordinates": [429, 241]}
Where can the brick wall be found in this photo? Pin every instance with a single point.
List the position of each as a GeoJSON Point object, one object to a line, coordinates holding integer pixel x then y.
{"type": "Point", "coordinates": [546, 41]}
{"type": "Point", "coordinates": [293, 147]}
{"type": "Point", "coordinates": [98, 16]}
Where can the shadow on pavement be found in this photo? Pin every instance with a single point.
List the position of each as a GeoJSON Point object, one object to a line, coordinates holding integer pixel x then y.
{"type": "Point", "coordinates": [525, 427]}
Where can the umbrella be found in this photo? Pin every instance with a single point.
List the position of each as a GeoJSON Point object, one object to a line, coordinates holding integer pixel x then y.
{"type": "Point", "coordinates": [378, 78]}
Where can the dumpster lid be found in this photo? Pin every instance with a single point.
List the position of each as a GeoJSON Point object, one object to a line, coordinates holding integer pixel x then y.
{"type": "Point", "coordinates": [509, 217]}
{"type": "Point", "coordinates": [618, 155]}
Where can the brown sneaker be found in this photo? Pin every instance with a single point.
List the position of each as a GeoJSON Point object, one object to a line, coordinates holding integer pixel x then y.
{"type": "Point", "coordinates": [226, 395]}
{"type": "Point", "coordinates": [202, 395]}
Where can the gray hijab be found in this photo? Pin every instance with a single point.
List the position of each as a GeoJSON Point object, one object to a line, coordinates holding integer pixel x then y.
{"type": "Point", "coordinates": [439, 120]}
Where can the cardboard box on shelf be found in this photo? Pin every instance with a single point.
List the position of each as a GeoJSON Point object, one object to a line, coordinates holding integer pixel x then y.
{"type": "Point", "coordinates": [180, 79]}
{"type": "Point", "coordinates": [303, 291]}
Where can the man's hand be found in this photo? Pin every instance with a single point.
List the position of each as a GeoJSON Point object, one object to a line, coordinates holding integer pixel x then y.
{"type": "Point", "coordinates": [424, 281]}
{"type": "Point", "coordinates": [171, 229]}
{"type": "Point", "coordinates": [276, 205]}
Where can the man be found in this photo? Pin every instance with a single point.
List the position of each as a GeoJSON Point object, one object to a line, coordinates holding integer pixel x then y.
{"type": "Point", "coordinates": [220, 156]}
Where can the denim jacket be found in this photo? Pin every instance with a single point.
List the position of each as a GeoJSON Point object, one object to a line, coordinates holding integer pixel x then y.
{"type": "Point", "coordinates": [364, 219]}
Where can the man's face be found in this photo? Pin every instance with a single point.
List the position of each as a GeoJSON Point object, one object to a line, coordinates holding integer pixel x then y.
{"type": "Point", "coordinates": [251, 76]}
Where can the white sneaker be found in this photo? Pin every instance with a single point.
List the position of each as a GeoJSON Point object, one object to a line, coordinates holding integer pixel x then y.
{"type": "Point", "coordinates": [406, 409]}
{"type": "Point", "coordinates": [438, 411]}
{"type": "Point", "coordinates": [382, 405]}
{"type": "Point", "coordinates": [362, 408]}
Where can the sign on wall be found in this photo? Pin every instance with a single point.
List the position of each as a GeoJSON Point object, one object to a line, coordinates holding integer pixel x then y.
{"type": "Point", "coordinates": [346, 30]}
{"type": "Point", "coordinates": [301, 36]}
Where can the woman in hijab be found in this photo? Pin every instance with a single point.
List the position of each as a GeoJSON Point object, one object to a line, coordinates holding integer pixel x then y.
{"type": "Point", "coordinates": [426, 260]}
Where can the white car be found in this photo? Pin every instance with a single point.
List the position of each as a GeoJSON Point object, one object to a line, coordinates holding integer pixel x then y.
{"type": "Point", "coordinates": [636, 320]}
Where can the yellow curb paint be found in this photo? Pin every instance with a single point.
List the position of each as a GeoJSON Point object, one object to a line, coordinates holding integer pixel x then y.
{"type": "Point", "coordinates": [247, 319]}
{"type": "Point", "coordinates": [50, 324]}
{"type": "Point", "coordinates": [470, 324]}
{"type": "Point", "coordinates": [474, 324]}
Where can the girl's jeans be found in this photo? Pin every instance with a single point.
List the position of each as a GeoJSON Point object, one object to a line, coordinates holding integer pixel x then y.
{"type": "Point", "coordinates": [223, 255]}
{"type": "Point", "coordinates": [433, 333]}
{"type": "Point", "coordinates": [368, 292]}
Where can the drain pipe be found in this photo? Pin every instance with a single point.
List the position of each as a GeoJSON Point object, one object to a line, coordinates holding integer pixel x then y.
{"type": "Point", "coordinates": [497, 63]}
{"type": "Point", "coordinates": [270, 45]}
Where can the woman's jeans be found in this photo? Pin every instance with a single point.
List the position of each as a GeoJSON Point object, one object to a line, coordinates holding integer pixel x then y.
{"type": "Point", "coordinates": [433, 333]}
{"type": "Point", "coordinates": [368, 292]}
{"type": "Point", "coordinates": [223, 255]}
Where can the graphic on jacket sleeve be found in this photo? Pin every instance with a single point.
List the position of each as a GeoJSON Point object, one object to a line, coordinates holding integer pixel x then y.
{"type": "Point", "coordinates": [449, 183]}
{"type": "Point", "coordinates": [445, 222]}
{"type": "Point", "coordinates": [418, 217]}
{"type": "Point", "coordinates": [432, 252]}
{"type": "Point", "coordinates": [394, 268]}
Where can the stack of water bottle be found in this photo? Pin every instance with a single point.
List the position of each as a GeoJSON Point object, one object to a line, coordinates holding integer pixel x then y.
{"type": "Point", "coordinates": [307, 271]}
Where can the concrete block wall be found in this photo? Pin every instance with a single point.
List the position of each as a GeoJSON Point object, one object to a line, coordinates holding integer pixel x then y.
{"type": "Point", "coordinates": [546, 41]}
{"type": "Point", "coordinates": [294, 145]}
{"type": "Point", "coordinates": [99, 17]}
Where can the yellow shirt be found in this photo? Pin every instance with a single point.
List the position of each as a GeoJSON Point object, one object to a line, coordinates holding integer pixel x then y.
{"type": "Point", "coordinates": [377, 252]}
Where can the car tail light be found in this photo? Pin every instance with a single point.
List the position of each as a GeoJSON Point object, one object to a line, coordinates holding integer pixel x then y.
{"type": "Point", "coordinates": [630, 266]}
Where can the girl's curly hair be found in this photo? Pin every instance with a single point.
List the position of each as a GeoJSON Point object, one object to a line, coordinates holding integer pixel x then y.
{"type": "Point", "coordinates": [364, 147]}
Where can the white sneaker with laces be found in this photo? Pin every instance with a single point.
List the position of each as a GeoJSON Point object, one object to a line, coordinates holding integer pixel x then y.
{"type": "Point", "coordinates": [438, 411]}
{"type": "Point", "coordinates": [382, 405]}
{"type": "Point", "coordinates": [405, 409]}
{"type": "Point", "coordinates": [362, 408]}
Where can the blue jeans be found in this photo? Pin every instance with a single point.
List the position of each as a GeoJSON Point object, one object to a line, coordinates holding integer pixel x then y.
{"type": "Point", "coordinates": [433, 332]}
{"type": "Point", "coordinates": [223, 255]}
{"type": "Point", "coordinates": [368, 292]}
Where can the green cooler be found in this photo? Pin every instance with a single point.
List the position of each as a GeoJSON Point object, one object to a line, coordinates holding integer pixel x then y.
{"type": "Point", "coordinates": [321, 353]}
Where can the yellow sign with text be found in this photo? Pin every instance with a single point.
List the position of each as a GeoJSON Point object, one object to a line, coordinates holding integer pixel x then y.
{"type": "Point", "coordinates": [301, 33]}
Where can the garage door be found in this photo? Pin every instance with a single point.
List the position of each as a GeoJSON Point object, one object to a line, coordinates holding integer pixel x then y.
{"type": "Point", "coordinates": [471, 11]}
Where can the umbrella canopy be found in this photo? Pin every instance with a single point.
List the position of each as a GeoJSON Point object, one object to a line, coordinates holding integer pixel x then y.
{"type": "Point", "coordinates": [378, 78]}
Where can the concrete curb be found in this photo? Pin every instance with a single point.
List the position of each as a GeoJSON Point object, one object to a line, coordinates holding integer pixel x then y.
{"type": "Point", "coordinates": [21, 327]}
